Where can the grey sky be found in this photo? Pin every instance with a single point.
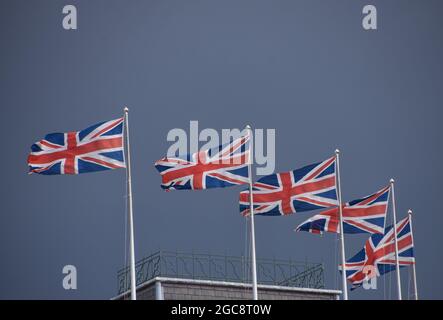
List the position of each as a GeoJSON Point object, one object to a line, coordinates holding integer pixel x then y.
{"type": "Point", "coordinates": [305, 68]}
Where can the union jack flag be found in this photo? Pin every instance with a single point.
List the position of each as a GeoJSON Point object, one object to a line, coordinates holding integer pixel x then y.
{"type": "Point", "coordinates": [365, 215]}
{"type": "Point", "coordinates": [309, 188]}
{"type": "Point", "coordinates": [224, 166]}
{"type": "Point", "coordinates": [379, 252]}
{"type": "Point", "coordinates": [97, 148]}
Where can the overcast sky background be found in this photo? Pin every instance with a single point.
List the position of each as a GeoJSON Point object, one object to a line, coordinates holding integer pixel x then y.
{"type": "Point", "coordinates": [306, 68]}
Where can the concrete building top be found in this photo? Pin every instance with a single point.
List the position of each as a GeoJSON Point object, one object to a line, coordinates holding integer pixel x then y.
{"type": "Point", "coordinates": [211, 267]}
{"type": "Point", "coordinates": [223, 284]}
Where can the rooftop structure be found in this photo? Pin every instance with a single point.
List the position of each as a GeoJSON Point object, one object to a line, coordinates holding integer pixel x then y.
{"type": "Point", "coordinates": [177, 275]}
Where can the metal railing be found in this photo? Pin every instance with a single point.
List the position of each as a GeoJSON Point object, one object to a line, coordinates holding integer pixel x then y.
{"type": "Point", "coordinates": [223, 268]}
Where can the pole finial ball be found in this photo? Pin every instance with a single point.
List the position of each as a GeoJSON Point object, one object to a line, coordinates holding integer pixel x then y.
{"type": "Point", "coordinates": [248, 127]}
{"type": "Point", "coordinates": [392, 180]}
{"type": "Point", "coordinates": [126, 109]}
{"type": "Point", "coordinates": [409, 211]}
{"type": "Point", "coordinates": [337, 151]}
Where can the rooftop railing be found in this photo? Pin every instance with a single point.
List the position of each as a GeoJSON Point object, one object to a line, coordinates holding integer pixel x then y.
{"type": "Point", "coordinates": [223, 268]}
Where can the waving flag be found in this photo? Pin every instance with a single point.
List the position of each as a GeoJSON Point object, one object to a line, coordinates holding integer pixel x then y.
{"type": "Point", "coordinates": [221, 167]}
{"type": "Point", "coordinates": [365, 215]}
{"type": "Point", "coordinates": [379, 252]}
{"type": "Point", "coordinates": [97, 148]}
{"type": "Point", "coordinates": [309, 188]}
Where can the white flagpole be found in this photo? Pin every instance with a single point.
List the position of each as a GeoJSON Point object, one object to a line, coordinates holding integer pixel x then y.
{"type": "Point", "coordinates": [342, 237]}
{"type": "Point", "coordinates": [130, 213]}
{"type": "Point", "coordinates": [397, 265]}
{"type": "Point", "coordinates": [251, 211]}
{"type": "Point", "coordinates": [414, 275]}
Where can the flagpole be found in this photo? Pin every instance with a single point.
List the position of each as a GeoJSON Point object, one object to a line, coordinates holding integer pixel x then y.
{"type": "Point", "coordinates": [397, 265]}
{"type": "Point", "coordinates": [251, 211]}
{"type": "Point", "coordinates": [414, 275]}
{"type": "Point", "coordinates": [130, 213]}
{"type": "Point", "coordinates": [342, 237]}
